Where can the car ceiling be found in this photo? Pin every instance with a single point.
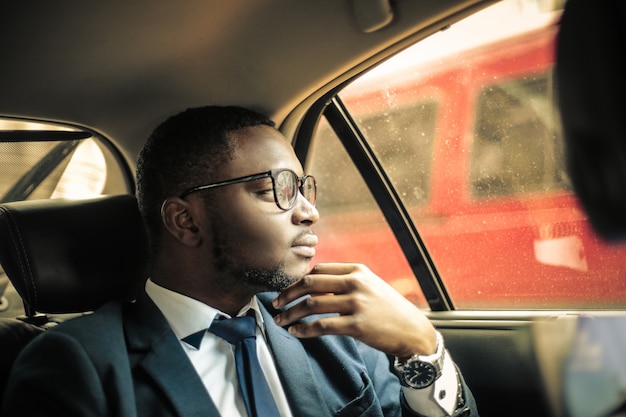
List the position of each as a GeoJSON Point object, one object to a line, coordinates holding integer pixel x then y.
{"type": "Point", "coordinates": [120, 67]}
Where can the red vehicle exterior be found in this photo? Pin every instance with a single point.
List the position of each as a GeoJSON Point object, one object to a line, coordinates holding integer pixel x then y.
{"type": "Point", "coordinates": [528, 249]}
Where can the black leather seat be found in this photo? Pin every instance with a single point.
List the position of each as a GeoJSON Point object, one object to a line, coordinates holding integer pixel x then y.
{"type": "Point", "coordinates": [67, 256]}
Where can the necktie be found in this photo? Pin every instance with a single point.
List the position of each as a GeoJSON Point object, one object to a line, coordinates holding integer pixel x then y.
{"type": "Point", "coordinates": [241, 332]}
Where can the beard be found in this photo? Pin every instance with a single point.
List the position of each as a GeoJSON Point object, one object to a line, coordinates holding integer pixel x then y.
{"type": "Point", "coordinates": [275, 279]}
{"type": "Point", "coordinates": [255, 278]}
{"type": "Point", "coordinates": [251, 277]}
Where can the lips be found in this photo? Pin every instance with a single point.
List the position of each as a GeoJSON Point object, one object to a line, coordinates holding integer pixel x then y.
{"type": "Point", "coordinates": [305, 245]}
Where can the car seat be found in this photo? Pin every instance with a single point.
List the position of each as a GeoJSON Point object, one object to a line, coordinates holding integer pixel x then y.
{"type": "Point", "coordinates": [67, 256]}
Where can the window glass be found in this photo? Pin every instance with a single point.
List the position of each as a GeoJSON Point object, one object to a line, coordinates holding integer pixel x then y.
{"type": "Point", "coordinates": [47, 165]}
{"type": "Point", "coordinates": [402, 139]}
{"type": "Point", "coordinates": [466, 127]}
{"type": "Point", "coordinates": [51, 169]}
{"type": "Point", "coordinates": [351, 228]}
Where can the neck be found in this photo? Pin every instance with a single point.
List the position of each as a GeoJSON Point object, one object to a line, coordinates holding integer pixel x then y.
{"type": "Point", "coordinates": [225, 297]}
{"type": "Point", "coordinates": [183, 273]}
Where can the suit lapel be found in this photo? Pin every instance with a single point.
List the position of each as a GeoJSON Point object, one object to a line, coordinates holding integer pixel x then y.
{"type": "Point", "coordinates": [154, 348]}
{"type": "Point", "coordinates": [292, 362]}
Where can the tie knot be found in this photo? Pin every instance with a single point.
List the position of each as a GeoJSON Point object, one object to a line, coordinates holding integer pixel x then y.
{"type": "Point", "coordinates": [234, 330]}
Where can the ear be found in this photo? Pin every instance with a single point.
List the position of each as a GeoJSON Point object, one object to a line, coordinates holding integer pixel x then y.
{"type": "Point", "coordinates": [177, 218]}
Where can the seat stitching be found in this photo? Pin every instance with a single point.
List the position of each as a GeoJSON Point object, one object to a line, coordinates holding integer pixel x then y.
{"type": "Point", "coordinates": [21, 255]}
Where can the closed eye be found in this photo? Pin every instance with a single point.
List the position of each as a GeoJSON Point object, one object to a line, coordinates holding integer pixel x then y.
{"type": "Point", "coordinates": [265, 194]}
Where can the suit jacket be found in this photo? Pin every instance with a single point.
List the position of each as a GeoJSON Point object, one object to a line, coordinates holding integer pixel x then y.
{"type": "Point", "coordinates": [124, 360]}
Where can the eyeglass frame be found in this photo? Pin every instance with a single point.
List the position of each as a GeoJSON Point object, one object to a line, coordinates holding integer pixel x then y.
{"type": "Point", "coordinates": [271, 174]}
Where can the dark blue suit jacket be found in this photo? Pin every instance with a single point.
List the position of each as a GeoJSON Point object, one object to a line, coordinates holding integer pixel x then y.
{"type": "Point", "coordinates": [124, 360]}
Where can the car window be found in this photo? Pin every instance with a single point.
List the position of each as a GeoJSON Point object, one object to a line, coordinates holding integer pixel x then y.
{"type": "Point", "coordinates": [351, 227]}
{"type": "Point", "coordinates": [42, 160]}
{"type": "Point", "coordinates": [48, 160]}
{"type": "Point", "coordinates": [466, 128]}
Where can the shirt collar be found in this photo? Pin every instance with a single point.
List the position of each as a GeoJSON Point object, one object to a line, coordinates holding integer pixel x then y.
{"type": "Point", "coordinates": [186, 315]}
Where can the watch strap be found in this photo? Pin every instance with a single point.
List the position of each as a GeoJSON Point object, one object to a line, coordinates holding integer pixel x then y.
{"type": "Point", "coordinates": [435, 360]}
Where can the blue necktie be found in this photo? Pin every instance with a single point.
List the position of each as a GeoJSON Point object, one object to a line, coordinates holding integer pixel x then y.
{"type": "Point", "coordinates": [241, 332]}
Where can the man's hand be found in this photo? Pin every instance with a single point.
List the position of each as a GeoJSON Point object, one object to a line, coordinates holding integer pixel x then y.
{"type": "Point", "coordinates": [369, 309]}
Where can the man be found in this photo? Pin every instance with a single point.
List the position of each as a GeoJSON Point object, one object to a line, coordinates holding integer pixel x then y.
{"type": "Point", "coordinates": [230, 216]}
{"type": "Point", "coordinates": [591, 88]}
{"type": "Point", "coordinates": [591, 47]}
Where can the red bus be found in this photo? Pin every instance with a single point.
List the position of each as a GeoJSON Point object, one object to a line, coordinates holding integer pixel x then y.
{"type": "Point", "coordinates": [472, 144]}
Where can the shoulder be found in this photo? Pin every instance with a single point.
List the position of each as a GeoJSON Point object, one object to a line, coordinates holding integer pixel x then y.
{"type": "Point", "coordinates": [90, 334]}
{"type": "Point", "coordinates": [104, 319]}
{"type": "Point", "coordinates": [75, 356]}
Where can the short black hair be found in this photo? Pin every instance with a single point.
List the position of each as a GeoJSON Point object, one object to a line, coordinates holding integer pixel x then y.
{"type": "Point", "coordinates": [186, 149]}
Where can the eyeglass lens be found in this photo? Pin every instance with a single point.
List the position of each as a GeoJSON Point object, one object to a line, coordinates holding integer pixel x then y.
{"type": "Point", "coordinates": [286, 187]}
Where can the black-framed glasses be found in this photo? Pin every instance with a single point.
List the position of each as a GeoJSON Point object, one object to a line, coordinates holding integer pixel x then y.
{"type": "Point", "coordinates": [285, 184]}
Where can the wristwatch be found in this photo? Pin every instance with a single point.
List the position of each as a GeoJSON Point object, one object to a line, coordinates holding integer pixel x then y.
{"type": "Point", "coordinates": [421, 371]}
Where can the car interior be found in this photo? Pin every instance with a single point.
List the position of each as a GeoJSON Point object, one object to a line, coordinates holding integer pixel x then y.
{"type": "Point", "coordinates": [432, 127]}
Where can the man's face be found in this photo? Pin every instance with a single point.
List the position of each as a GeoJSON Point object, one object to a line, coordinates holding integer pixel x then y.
{"type": "Point", "coordinates": [252, 240]}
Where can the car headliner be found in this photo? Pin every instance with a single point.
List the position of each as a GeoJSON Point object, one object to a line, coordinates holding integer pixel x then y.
{"type": "Point", "coordinates": [120, 67]}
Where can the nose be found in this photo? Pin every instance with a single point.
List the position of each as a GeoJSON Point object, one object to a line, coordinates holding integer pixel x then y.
{"type": "Point", "coordinates": [304, 212]}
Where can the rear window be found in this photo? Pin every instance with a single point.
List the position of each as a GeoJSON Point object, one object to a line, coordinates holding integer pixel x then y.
{"type": "Point", "coordinates": [40, 160]}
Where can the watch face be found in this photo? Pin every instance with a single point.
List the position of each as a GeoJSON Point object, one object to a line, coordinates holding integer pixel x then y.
{"type": "Point", "coordinates": [419, 374]}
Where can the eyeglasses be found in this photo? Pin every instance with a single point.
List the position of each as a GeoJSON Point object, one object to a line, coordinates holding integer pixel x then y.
{"type": "Point", "coordinates": [285, 184]}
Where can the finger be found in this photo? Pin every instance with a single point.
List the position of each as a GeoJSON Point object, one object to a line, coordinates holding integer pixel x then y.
{"type": "Point", "coordinates": [310, 285]}
{"type": "Point", "coordinates": [339, 325]}
{"type": "Point", "coordinates": [334, 268]}
{"type": "Point", "coordinates": [322, 304]}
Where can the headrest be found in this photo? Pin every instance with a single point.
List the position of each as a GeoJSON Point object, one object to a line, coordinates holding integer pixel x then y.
{"type": "Point", "coordinates": [69, 256]}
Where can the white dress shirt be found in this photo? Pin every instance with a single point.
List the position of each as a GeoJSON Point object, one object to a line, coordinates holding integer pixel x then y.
{"type": "Point", "coordinates": [215, 359]}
